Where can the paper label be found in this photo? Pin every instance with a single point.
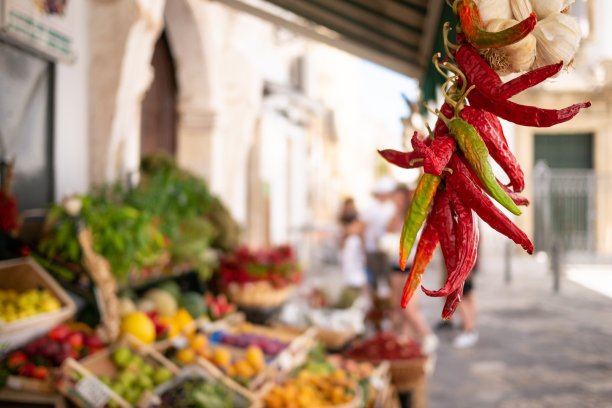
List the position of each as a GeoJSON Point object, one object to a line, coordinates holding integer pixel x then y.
{"type": "Point", "coordinates": [93, 391]}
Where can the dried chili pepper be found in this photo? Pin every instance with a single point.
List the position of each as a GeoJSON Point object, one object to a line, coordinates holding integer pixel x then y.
{"type": "Point", "coordinates": [423, 196]}
{"type": "Point", "coordinates": [523, 114]}
{"type": "Point", "coordinates": [490, 129]}
{"type": "Point", "coordinates": [471, 24]}
{"type": "Point", "coordinates": [406, 160]}
{"type": "Point", "coordinates": [476, 152]}
{"type": "Point", "coordinates": [452, 301]}
{"type": "Point", "coordinates": [467, 245]}
{"type": "Point", "coordinates": [446, 225]}
{"type": "Point", "coordinates": [425, 250]}
{"type": "Point", "coordinates": [479, 73]}
{"type": "Point", "coordinates": [436, 155]}
{"type": "Point", "coordinates": [460, 181]}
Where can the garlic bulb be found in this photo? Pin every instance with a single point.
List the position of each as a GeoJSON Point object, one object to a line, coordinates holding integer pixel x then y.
{"type": "Point", "coordinates": [490, 9]}
{"type": "Point", "coordinates": [521, 9]}
{"type": "Point", "coordinates": [558, 39]}
{"type": "Point", "coordinates": [545, 8]}
{"type": "Point", "coordinates": [516, 57]}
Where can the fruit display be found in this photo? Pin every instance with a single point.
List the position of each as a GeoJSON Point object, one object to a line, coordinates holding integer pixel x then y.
{"type": "Point", "coordinates": [240, 365]}
{"type": "Point", "coordinates": [218, 306]}
{"type": "Point", "coordinates": [134, 375]}
{"type": "Point", "coordinates": [15, 306]}
{"type": "Point", "coordinates": [308, 389]}
{"type": "Point", "coordinates": [198, 394]}
{"type": "Point", "coordinates": [270, 346]}
{"type": "Point", "coordinates": [384, 346]}
{"type": "Point", "coordinates": [193, 303]}
{"type": "Point", "coordinates": [47, 352]}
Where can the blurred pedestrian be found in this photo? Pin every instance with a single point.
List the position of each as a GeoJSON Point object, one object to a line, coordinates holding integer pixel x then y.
{"type": "Point", "coordinates": [376, 218]}
{"type": "Point", "coordinates": [408, 322]}
{"type": "Point", "coordinates": [352, 252]}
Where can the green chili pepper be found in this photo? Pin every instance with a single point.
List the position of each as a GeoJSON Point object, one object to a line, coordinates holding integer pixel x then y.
{"type": "Point", "coordinates": [476, 153]}
{"type": "Point", "coordinates": [423, 196]}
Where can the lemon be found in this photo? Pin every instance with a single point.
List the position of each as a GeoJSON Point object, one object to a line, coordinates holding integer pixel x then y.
{"type": "Point", "coordinates": [138, 325]}
{"type": "Point", "coordinates": [186, 355]}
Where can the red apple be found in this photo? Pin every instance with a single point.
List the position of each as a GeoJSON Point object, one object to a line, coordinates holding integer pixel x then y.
{"type": "Point", "coordinates": [40, 372]}
{"type": "Point", "coordinates": [16, 360]}
{"type": "Point", "coordinates": [76, 340]}
{"type": "Point", "coordinates": [27, 370]}
{"type": "Point", "coordinates": [60, 333]}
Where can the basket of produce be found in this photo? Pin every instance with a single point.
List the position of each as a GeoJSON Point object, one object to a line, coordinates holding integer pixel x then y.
{"type": "Point", "coordinates": [198, 387]}
{"type": "Point", "coordinates": [259, 279]}
{"type": "Point", "coordinates": [123, 374]}
{"type": "Point", "coordinates": [316, 383]}
{"type": "Point", "coordinates": [32, 367]}
{"type": "Point", "coordinates": [31, 303]}
{"type": "Point", "coordinates": [407, 361]}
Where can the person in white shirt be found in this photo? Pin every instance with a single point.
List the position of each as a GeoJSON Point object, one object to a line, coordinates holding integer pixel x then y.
{"type": "Point", "coordinates": [376, 218]}
{"type": "Point", "coordinates": [352, 253]}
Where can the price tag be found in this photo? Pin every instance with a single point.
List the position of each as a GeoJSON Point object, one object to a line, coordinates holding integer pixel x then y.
{"type": "Point", "coordinates": [285, 360]}
{"type": "Point", "coordinates": [93, 391]}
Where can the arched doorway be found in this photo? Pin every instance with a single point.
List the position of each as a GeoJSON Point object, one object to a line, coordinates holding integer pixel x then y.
{"type": "Point", "coordinates": [159, 115]}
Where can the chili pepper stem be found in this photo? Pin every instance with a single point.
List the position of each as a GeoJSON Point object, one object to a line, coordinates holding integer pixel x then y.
{"type": "Point", "coordinates": [447, 44]}
{"type": "Point", "coordinates": [434, 60]}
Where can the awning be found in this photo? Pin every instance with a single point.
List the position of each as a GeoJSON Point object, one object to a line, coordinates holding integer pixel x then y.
{"type": "Point", "coordinates": [397, 34]}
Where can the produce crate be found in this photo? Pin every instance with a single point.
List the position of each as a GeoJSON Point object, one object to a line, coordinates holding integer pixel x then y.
{"type": "Point", "coordinates": [258, 294]}
{"type": "Point", "coordinates": [87, 391]}
{"type": "Point", "coordinates": [241, 397]}
{"type": "Point", "coordinates": [21, 383]}
{"type": "Point", "coordinates": [23, 274]}
{"type": "Point", "coordinates": [406, 374]}
{"type": "Point", "coordinates": [31, 398]}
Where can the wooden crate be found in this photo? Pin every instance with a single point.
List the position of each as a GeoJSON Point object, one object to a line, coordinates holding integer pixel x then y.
{"type": "Point", "coordinates": [88, 391]}
{"type": "Point", "coordinates": [209, 373]}
{"type": "Point", "coordinates": [27, 384]}
{"type": "Point", "coordinates": [32, 399]}
{"type": "Point", "coordinates": [23, 274]}
{"type": "Point", "coordinates": [333, 340]}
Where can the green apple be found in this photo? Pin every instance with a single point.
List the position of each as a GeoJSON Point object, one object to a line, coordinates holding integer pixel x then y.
{"type": "Point", "coordinates": [126, 378]}
{"type": "Point", "coordinates": [147, 369]}
{"type": "Point", "coordinates": [122, 356]}
{"type": "Point", "coordinates": [162, 374]}
{"type": "Point", "coordinates": [144, 381]}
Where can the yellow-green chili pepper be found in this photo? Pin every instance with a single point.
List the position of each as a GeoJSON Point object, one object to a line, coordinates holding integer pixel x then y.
{"type": "Point", "coordinates": [423, 196]}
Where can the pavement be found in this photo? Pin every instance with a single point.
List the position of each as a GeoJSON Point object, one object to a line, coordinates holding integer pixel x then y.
{"type": "Point", "coordinates": [537, 348]}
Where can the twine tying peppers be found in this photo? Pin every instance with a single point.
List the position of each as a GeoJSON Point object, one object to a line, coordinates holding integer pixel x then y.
{"type": "Point", "coordinates": [458, 178]}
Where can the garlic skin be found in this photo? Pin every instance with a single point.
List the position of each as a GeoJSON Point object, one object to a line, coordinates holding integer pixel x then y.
{"type": "Point", "coordinates": [521, 9]}
{"type": "Point", "coordinates": [546, 8]}
{"type": "Point", "coordinates": [490, 9]}
{"type": "Point", "coordinates": [512, 58]}
{"type": "Point", "coordinates": [558, 38]}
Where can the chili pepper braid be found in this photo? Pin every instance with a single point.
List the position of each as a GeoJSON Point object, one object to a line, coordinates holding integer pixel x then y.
{"type": "Point", "coordinates": [445, 224]}
{"type": "Point", "coordinates": [425, 250]}
{"type": "Point", "coordinates": [473, 196]}
{"type": "Point", "coordinates": [416, 214]}
{"type": "Point", "coordinates": [437, 155]}
{"type": "Point", "coordinates": [406, 160]}
{"type": "Point", "coordinates": [467, 246]}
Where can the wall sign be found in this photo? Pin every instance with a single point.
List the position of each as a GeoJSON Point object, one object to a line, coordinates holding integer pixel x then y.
{"type": "Point", "coordinates": [45, 25]}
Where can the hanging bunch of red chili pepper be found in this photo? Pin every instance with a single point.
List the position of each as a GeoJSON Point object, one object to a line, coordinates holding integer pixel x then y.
{"type": "Point", "coordinates": [458, 181]}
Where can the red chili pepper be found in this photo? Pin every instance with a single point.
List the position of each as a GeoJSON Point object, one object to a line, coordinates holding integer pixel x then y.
{"type": "Point", "coordinates": [490, 129]}
{"type": "Point", "coordinates": [446, 225]}
{"type": "Point", "coordinates": [471, 24]}
{"type": "Point", "coordinates": [437, 155]}
{"type": "Point", "coordinates": [523, 114]}
{"type": "Point", "coordinates": [452, 301]}
{"type": "Point", "coordinates": [461, 181]}
{"type": "Point", "coordinates": [467, 246]}
{"type": "Point", "coordinates": [479, 73]}
{"type": "Point", "coordinates": [425, 250]}
{"type": "Point", "coordinates": [406, 160]}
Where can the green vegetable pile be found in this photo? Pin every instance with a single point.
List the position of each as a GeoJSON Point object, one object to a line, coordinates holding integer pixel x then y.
{"type": "Point", "coordinates": [198, 394]}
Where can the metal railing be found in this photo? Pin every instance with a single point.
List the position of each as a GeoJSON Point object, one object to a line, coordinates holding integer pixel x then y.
{"type": "Point", "coordinates": [564, 205]}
